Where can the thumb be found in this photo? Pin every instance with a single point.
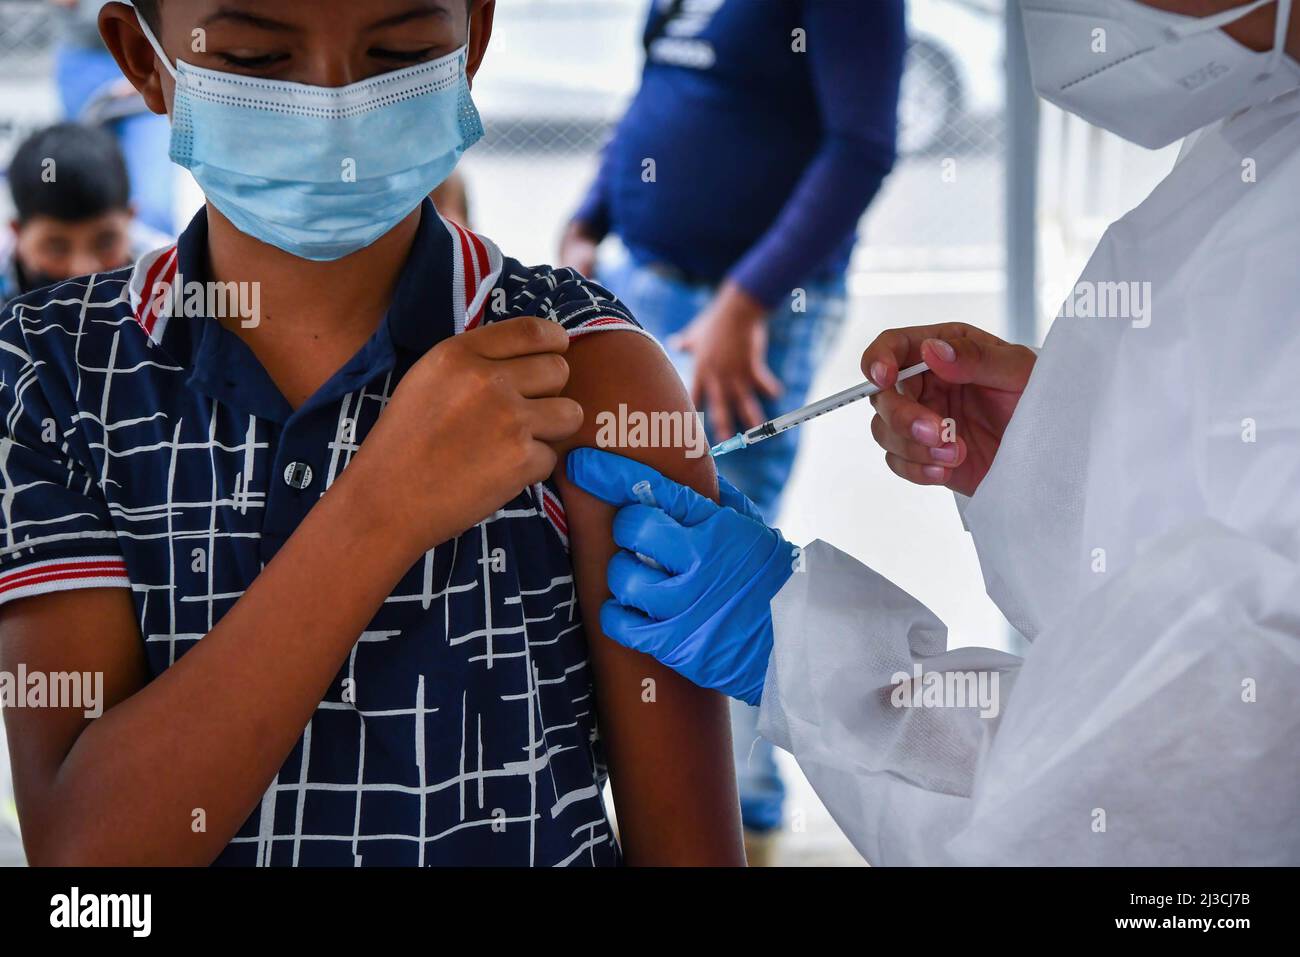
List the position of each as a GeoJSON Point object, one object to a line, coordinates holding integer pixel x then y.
{"type": "Point", "coordinates": [965, 361]}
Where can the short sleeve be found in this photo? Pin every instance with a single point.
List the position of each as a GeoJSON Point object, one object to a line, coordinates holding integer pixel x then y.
{"type": "Point", "coordinates": [566, 296]}
{"type": "Point", "coordinates": [55, 529]}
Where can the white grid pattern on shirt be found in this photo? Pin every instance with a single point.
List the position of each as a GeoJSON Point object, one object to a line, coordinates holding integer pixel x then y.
{"type": "Point", "coordinates": [229, 522]}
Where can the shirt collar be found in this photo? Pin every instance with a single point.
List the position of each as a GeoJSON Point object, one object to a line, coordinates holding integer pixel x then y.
{"type": "Point", "coordinates": [447, 275]}
{"type": "Point", "coordinates": [436, 288]}
{"type": "Point", "coordinates": [422, 311]}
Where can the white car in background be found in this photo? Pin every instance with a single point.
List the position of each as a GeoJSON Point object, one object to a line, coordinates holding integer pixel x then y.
{"type": "Point", "coordinates": [559, 64]}
{"type": "Point", "coordinates": [956, 73]}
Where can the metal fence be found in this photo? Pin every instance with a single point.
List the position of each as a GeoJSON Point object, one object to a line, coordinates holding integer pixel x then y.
{"type": "Point", "coordinates": [27, 37]}
{"type": "Point", "coordinates": [27, 29]}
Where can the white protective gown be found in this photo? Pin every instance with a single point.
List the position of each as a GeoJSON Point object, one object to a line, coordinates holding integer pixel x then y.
{"type": "Point", "coordinates": [1141, 526]}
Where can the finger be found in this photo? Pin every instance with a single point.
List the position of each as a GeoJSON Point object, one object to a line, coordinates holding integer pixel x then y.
{"type": "Point", "coordinates": [697, 390]}
{"type": "Point", "coordinates": [733, 498]}
{"type": "Point", "coordinates": [653, 532]}
{"type": "Point", "coordinates": [628, 626]}
{"type": "Point", "coordinates": [534, 376]}
{"type": "Point", "coordinates": [993, 364]}
{"type": "Point", "coordinates": [896, 349]}
{"type": "Point", "coordinates": [766, 379]}
{"type": "Point", "coordinates": [611, 477]}
{"type": "Point", "coordinates": [751, 413]}
{"type": "Point", "coordinates": [607, 476]}
{"type": "Point", "coordinates": [915, 389]}
{"type": "Point", "coordinates": [719, 411]}
{"type": "Point", "coordinates": [637, 585]}
{"type": "Point", "coordinates": [539, 463]}
{"type": "Point", "coordinates": [889, 352]}
{"type": "Point", "coordinates": [917, 474]}
{"type": "Point", "coordinates": [521, 336]}
{"type": "Point", "coordinates": [553, 419]}
{"type": "Point", "coordinates": [949, 455]}
{"type": "Point", "coordinates": [909, 418]}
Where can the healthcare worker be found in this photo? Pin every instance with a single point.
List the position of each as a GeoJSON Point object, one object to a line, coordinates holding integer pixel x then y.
{"type": "Point", "coordinates": [1133, 492]}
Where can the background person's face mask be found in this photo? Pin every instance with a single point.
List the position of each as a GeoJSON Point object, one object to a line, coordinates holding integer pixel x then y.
{"type": "Point", "coordinates": [1148, 75]}
{"type": "Point", "coordinates": [320, 172]}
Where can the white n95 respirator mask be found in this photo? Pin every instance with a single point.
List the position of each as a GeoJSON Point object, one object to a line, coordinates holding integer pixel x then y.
{"type": "Point", "coordinates": [1149, 75]}
{"type": "Point", "coordinates": [320, 172]}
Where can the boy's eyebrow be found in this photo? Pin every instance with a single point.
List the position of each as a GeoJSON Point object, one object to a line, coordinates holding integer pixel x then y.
{"type": "Point", "coordinates": [433, 9]}
{"type": "Point", "coordinates": [230, 14]}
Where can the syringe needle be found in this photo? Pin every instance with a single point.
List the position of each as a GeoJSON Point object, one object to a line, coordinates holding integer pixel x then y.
{"type": "Point", "coordinates": [808, 412]}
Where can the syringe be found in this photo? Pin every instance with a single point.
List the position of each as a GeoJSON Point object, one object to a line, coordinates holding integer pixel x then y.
{"type": "Point", "coordinates": [810, 411]}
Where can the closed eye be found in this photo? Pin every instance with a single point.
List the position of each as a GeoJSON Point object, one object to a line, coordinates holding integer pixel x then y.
{"type": "Point", "coordinates": [403, 56]}
{"type": "Point", "coordinates": [253, 62]}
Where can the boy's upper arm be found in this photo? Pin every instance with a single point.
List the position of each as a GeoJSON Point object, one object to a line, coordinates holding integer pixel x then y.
{"type": "Point", "coordinates": [56, 533]}
{"type": "Point", "coordinates": [65, 603]}
{"type": "Point", "coordinates": [668, 741]}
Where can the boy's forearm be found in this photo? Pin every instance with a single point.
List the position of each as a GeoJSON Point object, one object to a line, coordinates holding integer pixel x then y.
{"type": "Point", "coordinates": [668, 742]}
{"type": "Point", "coordinates": [170, 774]}
{"type": "Point", "coordinates": [674, 782]}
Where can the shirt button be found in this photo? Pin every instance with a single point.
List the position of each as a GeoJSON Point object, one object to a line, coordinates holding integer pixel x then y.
{"type": "Point", "coordinates": [297, 475]}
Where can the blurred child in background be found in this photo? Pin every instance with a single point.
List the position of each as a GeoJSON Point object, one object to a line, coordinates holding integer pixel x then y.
{"type": "Point", "coordinates": [72, 211]}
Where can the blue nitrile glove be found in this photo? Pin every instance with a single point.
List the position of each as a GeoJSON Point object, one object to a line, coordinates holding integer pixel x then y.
{"type": "Point", "coordinates": [707, 615]}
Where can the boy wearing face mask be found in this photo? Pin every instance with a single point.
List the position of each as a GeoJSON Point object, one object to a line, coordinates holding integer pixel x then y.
{"type": "Point", "coordinates": [344, 601]}
{"type": "Point", "coordinates": [72, 210]}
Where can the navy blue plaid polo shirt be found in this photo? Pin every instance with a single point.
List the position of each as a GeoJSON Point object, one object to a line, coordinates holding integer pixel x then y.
{"type": "Point", "coordinates": [153, 452]}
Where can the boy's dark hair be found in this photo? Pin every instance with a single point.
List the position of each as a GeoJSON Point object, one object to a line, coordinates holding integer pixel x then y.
{"type": "Point", "coordinates": [149, 10]}
{"type": "Point", "coordinates": [69, 172]}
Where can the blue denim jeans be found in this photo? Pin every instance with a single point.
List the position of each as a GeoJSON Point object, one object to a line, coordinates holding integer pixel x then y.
{"type": "Point", "coordinates": [797, 341]}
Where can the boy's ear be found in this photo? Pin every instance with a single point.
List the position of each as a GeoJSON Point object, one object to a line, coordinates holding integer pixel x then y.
{"type": "Point", "coordinates": [16, 226]}
{"type": "Point", "coordinates": [481, 15]}
{"type": "Point", "coordinates": [133, 53]}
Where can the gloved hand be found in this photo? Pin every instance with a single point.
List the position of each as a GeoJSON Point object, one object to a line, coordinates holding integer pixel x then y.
{"type": "Point", "coordinates": [707, 615]}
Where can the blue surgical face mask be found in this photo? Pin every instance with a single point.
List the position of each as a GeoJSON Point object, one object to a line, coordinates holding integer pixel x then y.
{"type": "Point", "coordinates": [320, 172]}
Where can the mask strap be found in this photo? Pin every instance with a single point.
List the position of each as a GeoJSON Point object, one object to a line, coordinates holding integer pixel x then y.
{"type": "Point", "coordinates": [1280, 29]}
{"type": "Point", "coordinates": [1193, 25]}
{"type": "Point", "coordinates": [1225, 17]}
{"type": "Point", "coordinates": [157, 47]}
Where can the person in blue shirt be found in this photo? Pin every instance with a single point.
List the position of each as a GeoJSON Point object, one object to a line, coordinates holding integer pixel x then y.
{"type": "Point", "coordinates": [759, 136]}
{"type": "Point", "coordinates": [294, 487]}
{"type": "Point", "coordinates": [93, 91]}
